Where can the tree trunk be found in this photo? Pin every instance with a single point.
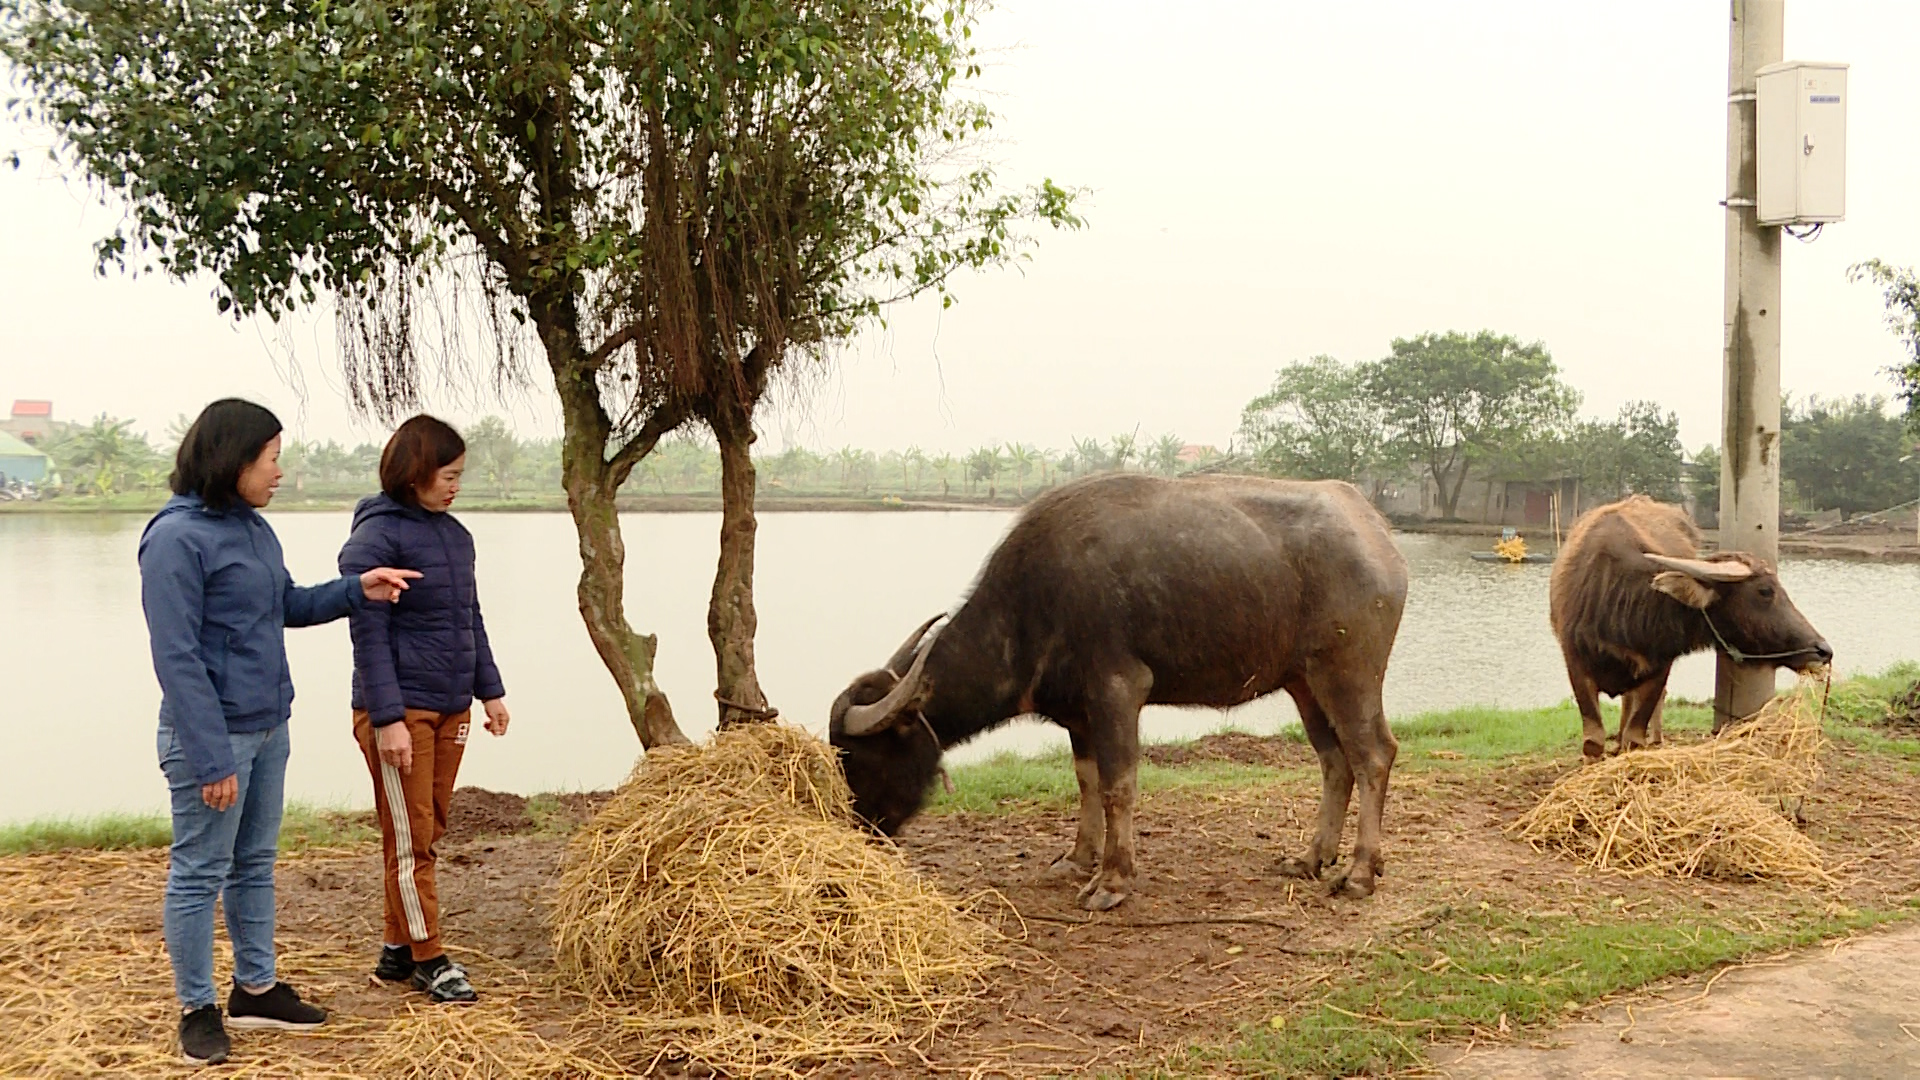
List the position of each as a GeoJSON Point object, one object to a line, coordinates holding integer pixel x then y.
{"type": "Point", "coordinates": [1450, 499]}
{"type": "Point", "coordinates": [591, 482]}
{"type": "Point", "coordinates": [731, 620]}
{"type": "Point", "coordinates": [628, 656]}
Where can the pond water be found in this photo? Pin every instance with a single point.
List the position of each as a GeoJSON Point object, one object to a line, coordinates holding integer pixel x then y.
{"type": "Point", "coordinates": [836, 593]}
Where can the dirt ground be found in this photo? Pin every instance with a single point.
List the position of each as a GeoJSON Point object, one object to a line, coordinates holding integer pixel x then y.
{"type": "Point", "coordinates": [1211, 940]}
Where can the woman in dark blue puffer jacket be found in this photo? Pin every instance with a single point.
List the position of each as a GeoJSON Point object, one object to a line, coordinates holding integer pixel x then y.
{"type": "Point", "coordinates": [417, 667]}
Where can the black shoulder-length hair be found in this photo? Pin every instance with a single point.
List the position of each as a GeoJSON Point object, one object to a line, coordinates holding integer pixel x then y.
{"type": "Point", "coordinates": [228, 435]}
{"type": "Point", "coordinates": [419, 448]}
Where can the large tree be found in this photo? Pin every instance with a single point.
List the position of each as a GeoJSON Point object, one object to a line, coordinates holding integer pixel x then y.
{"type": "Point", "coordinates": [1317, 422]}
{"type": "Point", "coordinates": [494, 452]}
{"type": "Point", "coordinates": [1846, 454]}
{"type": "Point", "coordinates": [1704, 479]}
{"type": "Point", "coordinates": [1639, 451]}
{"type": "Point", "coordinates": [1452, 400]}
{"type": "Point", "coordinates": [676, 201]}
{"type": "Point", "coordinates": [1900, 287]}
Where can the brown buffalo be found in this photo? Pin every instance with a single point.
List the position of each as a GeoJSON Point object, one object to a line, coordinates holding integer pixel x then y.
{"type": "Point", "coordinates": [1122, 591]}
{"type": "Point", "coordinates": [1630, 595]}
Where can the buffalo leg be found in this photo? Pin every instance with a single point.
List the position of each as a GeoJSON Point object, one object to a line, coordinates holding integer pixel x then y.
{"type": "Point", "coordinates": [1593, 743]}
{"type": "Point", "coordinates": [1638, 707]}
{"type": "Point", "coordinates": [1336, 788]}
{"type": "Point", "coordinates": [1350, 696]}
{"type": "Point", "coordinates": [1654, 736]}
{"type": "Point", "coordinates": [1113, 725]}
{"type": "Point", "coordinates": [1085, 856]}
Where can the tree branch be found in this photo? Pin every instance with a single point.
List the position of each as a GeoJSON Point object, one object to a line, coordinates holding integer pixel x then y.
{"type": "Point", "coordinates": [497, 247]}
{"type": "Point", "coordinates": [660, 423]}
{"type": "Point", "coordinates": [620, 339]}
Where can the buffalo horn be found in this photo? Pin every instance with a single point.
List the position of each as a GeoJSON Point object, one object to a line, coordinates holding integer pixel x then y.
{"type": "Point", "coordinates": [1702, 570]}
{"type": "Point", "coordinates": [904, 654]}
{"type": "Point", "coordinates": [867, 719]}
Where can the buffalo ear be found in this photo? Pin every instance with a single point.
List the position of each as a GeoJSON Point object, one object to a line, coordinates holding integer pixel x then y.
{"type": "Point", "coordinates": [1684, 588]}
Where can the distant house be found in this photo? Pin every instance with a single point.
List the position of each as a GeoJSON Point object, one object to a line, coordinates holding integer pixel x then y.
{"type": "Point", "coordinates": [18, 461]}
{"type": "Point", "coordinates": [31, 421]}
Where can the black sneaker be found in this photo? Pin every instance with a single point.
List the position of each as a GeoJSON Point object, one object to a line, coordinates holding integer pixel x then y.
{"type": "Point", "coordinates": [203, 1038]}
{"type": "Point", "coordinates": [279, 1008]}
{"type": "Point", "coordinates": [444, 982]}
{"type": "Point", "coordinates": [396, 964]}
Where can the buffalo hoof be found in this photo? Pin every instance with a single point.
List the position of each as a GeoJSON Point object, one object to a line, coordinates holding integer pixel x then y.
{"type": "Point", "coordinates": [1304, 869]}
{"type": "Point", "coordinates": [1096, 896]}
{"type": "Point", "coordinates": [1065, 869]}
{"type": "Point", "coordinates": [1592, 751]}
{"type": "Point", "coordinates": [1350, 887]}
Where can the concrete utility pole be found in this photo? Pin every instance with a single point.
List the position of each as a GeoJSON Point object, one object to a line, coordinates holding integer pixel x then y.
{"type": "Point", "coordinates": [1750, 407]}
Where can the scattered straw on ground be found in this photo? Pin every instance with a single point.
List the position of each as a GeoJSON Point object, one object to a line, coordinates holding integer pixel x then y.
{"type": "Point", "coordinates": [1713, 809]}
{"type": "Point", "coordinates": [724, 903]}
{"type": "Point", "coordinates": [85, 987]}
{"type": "Point", "coordinates": [480, 1042]}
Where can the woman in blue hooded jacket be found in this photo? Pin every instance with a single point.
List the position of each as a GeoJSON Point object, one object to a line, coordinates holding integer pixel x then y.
{"type": "Point", "coordinates": [418, 665]}
{"type": "Point", "coordinates": [218, 598]}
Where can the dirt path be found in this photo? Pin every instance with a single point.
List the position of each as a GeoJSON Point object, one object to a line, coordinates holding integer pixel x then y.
{"type": "Point", "coordinates": [1851, 1010]}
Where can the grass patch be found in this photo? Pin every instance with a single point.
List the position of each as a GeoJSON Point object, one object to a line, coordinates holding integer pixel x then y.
{"type": "Point", "coordinates": [1469, 737]}
{"type": "Point", "coordinates": [1501, 735]}
{"type": "Point", "coordinates": [1858, 710]}
{"type": "Point", "coordinates": [1011, 783]}
{"type": "Point", "coordinates": [550, 815]}
{"type": "Point", "coordinates": [302, 828]}
{"type": "Point", "coordinates": [105, 832]}
{"type": "Point", "coordinates": [1484, 965]}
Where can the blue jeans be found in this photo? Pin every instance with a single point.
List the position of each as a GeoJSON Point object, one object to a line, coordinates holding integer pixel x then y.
{"type": "Point", "coordinates": [225, 854]}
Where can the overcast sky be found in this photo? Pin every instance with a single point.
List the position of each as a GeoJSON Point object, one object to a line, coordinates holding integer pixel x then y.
{"type": "Point", "coordinates": [1267, 181]}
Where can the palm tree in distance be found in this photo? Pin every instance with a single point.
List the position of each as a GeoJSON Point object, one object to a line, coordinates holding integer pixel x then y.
{"type": "Point", "coordinates": [1021, 457]}
{"type": "Point", "coordinates": [943, 467]}
{"type": "Point", "coordinates": [1163, 456]}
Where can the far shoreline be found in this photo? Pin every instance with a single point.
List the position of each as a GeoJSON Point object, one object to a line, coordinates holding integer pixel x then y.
{"type": "Point", "coordinates": [1889, 545]}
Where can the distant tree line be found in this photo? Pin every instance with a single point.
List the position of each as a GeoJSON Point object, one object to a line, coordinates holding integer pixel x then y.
{"type": "Point", "coordinates": [109, 457]}
{"type": "Point", "coordinates": [1449, 406]}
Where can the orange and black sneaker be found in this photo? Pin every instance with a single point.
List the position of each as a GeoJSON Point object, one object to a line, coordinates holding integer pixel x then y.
{"type": "Point", "coordinates": [396, 964]}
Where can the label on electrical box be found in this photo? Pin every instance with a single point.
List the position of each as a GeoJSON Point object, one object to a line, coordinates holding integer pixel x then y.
{"type": "Point", "coordinates": [1823, 99]}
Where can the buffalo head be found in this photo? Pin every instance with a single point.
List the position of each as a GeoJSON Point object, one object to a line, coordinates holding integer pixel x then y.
{"type": "Point", "coordinates": [886, 746]}
{"type": "Point", "coordinates": [1746, 608]}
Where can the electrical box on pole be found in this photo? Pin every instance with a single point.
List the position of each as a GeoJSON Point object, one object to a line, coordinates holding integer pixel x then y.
{"type": "Point", "coordinates": [1801, 144]}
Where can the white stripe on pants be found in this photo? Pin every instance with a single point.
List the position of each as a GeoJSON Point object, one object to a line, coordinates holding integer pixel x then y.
{"type": "Point", "coordinates": [403, 850]}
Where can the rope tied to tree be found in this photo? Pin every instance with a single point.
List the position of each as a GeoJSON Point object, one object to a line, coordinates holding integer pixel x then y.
{"type": "Point", "coordinates": [755, 713]}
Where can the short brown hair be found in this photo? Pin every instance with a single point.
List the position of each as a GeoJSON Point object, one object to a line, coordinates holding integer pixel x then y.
{"type": "Point", "coordinates": [419, 448]}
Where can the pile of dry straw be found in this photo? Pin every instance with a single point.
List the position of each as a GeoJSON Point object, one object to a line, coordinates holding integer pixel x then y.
{"type": "Point", "coordinates": [724, 906]}
{"type": "Point", "coordinates": [1711, 809]}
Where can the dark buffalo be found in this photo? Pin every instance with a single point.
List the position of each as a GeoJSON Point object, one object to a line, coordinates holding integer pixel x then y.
{"type": "Point", "coordinates": [1121, 591]}
{"type": "Point", "coordinates": [1630, 595]}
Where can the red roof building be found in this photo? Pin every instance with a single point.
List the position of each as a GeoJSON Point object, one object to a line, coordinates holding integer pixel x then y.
{"type": "Point", "coordinates": [31, 420]}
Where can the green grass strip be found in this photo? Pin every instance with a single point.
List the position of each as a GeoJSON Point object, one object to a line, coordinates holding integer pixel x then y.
{"type": "Point", "coordinates": [302, 828]}
{"type": "Point", "coordinates": [1485, 965]}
